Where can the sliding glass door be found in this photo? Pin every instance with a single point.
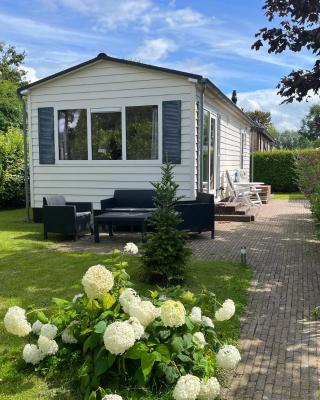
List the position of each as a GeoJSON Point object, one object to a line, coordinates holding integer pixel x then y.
{"type": "Point", "coordinates": [208, 152]}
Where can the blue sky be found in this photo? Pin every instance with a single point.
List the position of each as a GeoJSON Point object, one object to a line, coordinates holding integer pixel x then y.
{"type": "Point", "coordinates": [209, 37]}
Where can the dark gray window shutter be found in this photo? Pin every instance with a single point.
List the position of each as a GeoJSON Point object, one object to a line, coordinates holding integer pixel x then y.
{"type": "Point", "coordinates": [171, 127]}
{"type": "Point", "coordinates": [46, 135]}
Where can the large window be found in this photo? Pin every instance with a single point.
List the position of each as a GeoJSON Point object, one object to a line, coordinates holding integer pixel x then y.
{"type": "Point", "coordinates": [142, 133]}
{"type": "Point", "coordinates": [124, 133]}
{"type": "Point", "coordinates": [72, 130]}
{"type": "Point", "coordinates": [106, 135]}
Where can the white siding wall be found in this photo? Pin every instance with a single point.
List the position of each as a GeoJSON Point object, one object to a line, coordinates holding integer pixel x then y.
{"type": "Point", "coordinates": [107, 84]}
{"type": "Point", "coordinates": [230, 128]}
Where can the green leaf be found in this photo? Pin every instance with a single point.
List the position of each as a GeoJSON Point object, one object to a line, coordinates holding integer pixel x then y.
{"type": "Point", "coordinates": [164, 334]}
{"type": "Point", "coordinates": [41, 317]}
{"type": "Point", "coordinates": [189, 324]}
{"type": "Point", "coordinates": [136, 351]}
{"type": "Point", "coordinates": [60, 302]}
{"type": "Point", "coordinates": [187, 340]}
{"type": "Point", "coordinates": [93, 396]}
{"type": "Point", "coordinates": [100, 327]}
{"type": "Point", "coordinates": [108, 301]}
{"type": "Point", "coordinates": [177, 345]}
{"type": "Point", "coordinates": [154, 294]}
{"type": "Point", "coordinates": [171, 373]}
{"type": "Point", "coordinates": [184, 358]}
{"type": "Point", "coordinates": [124, 275]}
{"type": "Point", "coordinates": [147, 362]}
{"type": "Point", "coordinates": [91, 342]}
{"type": "Point", "coordinates": [164, 351]}
{"type": "Point", "coordinates": [103, 362]}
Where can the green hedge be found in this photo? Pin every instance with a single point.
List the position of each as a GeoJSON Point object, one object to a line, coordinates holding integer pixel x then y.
{"type": "Point", "coordinates": [276, 168]}
{"type": "Point", "coordinates": [11, 169]}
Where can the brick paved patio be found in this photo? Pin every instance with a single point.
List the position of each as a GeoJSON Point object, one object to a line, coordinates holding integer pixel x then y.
{"type": "Point", "coordinates": [280, 344]}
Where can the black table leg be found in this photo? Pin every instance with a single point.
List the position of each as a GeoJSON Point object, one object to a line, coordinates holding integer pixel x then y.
{"type": "Point", "coordinates": [96, 232]}
{"type": "Point", "coordinates": [110, 229]}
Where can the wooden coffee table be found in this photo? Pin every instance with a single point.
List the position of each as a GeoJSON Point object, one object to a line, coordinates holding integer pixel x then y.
{"type": "Point", "coordinates": [120, 218]}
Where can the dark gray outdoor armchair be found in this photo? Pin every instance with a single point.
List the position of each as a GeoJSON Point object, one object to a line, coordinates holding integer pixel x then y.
{"type": "Point", "coordinates": [68, 218]}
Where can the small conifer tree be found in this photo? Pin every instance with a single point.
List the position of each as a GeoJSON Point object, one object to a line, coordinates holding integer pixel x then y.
{"type": "Point", "coordinates": [165, 254]}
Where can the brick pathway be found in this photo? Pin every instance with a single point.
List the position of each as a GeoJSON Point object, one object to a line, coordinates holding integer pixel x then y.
{"type": "Point", "coordinates": [280, 344]}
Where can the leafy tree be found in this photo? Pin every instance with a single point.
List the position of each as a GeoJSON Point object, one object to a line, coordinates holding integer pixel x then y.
{"type": "Point", "coordinates": [11, 169]}
{"type": "Point", "coordinates": [291, 140]}
{"type": "Point", "coordinates": [10, 64]}
{"type": "Point", "coordinates": [298, 29]}
{"type": "Point", "coordinates": [165, 254]}
{"type": "Point", "coordinates": [310, 128]}
{"type": "Point", "coordinates": [262, 118]}
{"type": "Point", "coordinates": [10, 108]}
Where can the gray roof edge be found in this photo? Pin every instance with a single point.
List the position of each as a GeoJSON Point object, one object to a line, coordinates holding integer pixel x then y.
{"type": "Point", "coordinates": [103, 56]}
{"type": "Point", "coordinates": [228, 101]}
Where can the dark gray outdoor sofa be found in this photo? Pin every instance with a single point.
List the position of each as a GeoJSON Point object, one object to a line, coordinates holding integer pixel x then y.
{"type": "Point", "coordinates": [197, 215]}
{"type": "Point", "coordinates": [68, 218]}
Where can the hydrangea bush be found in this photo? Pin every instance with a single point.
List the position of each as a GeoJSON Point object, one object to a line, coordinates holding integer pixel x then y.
{"type": "Point", "coordinates": [120, 339]}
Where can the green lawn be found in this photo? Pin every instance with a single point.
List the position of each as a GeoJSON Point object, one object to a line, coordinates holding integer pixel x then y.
{"type": "Point", "coordinates": [31, 273]}
{"type": "Point", "coordinates": [288, 196]}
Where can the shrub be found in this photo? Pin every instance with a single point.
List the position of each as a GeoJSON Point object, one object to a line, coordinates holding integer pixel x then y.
{"type": "Point", "coordinates": [165, 253]}
{"type": "Point", "coordinates": [308, 170]}
{"type": "Point", "coordinates": [11, 169]}
{"type": "Point", "coordinates": [276, 168]}
{"type": "Point", "coordinates": [117, 340]}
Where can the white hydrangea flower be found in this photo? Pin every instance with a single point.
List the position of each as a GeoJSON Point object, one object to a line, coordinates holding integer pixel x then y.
{"type": "Point", "coordinates": [31, 354]}
{"type": "Point", "coordinates": [118, 337]}
{"type": "Point", "coordinates": [97, 281]}
{"type": "Point", "coordinates": [15, 321]}
{"type": "Point", "coordinates": [36, 327]}
{"type": "Point", "coordinates": [199, 340]}
{"type": "Point", "coordinates": [127, 297]}
{"type": "Point", "coordinates": [226, 311]}
{"type": "Point", "coordinates": [144, 311]}
{"type": "Point", "coordinates": [187, 388]}
{"type": "Point", "coordinates": [47, 346]}
{"type": "Point", "coordinates": [131, 248]}
{"type": "Point", "coordinates": [76, 297]}
{"type": "Point", "coordinates": [209, 390]}
{"type": "Point", "coordinates": [49, 331]}
{"type": "Point", "coordinates": [195, 315]}
{"type": "Point", "coordinates": [207, 321]}
{"type": "Point", "coordinates": [173, 313]}
{"type": "Point", "coordinates": [67, 337]}
{"type": "Point", "coordinates": [112, 397]}
{"type": "Point", "coordinates": [228, 357]}
{"type": "Point", "coordinates": [138, 328]}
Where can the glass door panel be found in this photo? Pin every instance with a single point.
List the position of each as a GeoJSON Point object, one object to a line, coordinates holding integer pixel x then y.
{"type": "Point", "coordinates": [212, 152]}
{"type": "Point", "coordinates": [205, 151]}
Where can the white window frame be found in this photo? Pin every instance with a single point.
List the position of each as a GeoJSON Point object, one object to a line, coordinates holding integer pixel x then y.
{"type": "Point", "coordinates": [214, 116]}
{"type": "Point", "coordinates": [121, 108]}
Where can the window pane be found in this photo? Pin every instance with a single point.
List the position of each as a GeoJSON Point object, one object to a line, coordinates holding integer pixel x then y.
{"type": "Point", "coordinates": [106, 135]}
{"type": "Point", "coordinates": [142, 133]}
{"type": "Point", "coordinates": [72, 127]}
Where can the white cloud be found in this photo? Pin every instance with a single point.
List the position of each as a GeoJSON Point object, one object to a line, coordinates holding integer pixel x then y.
{"type": "Point", "coordinates": [284, 116]}
{"type": "Point", "coordinates": [154, 50]}
{"type": "Point", "coordinates": [27, 27]}
{"type": "Point", "coordinates": [107, 14]}
{"type": "Point", "coordinates": [31, 75]}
